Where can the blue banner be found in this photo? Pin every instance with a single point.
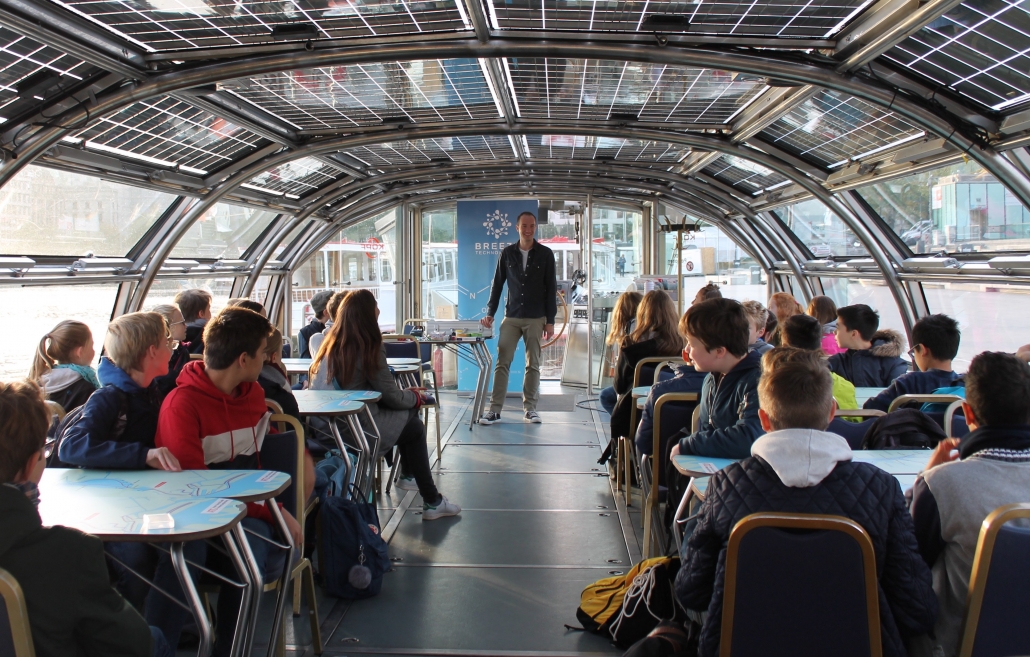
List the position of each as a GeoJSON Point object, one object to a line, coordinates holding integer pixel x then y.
{"type": "Point", "coordinates": [484, 229]}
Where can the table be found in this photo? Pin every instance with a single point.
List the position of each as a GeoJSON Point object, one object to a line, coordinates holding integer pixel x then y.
{"type": "Point", "coordinates": [116, 514]}
{"type": "Point", "coordinates": [479, 356]}
{"type": "Point", "coordinates": [393, 362]}
{"type": "Point", "coordinates": [699, 485]}
{"type": "Point", "coordinates": [333, 404]}
{"type": "Point", "coordinates": [296, 365]}
{"type": "Point", "coordinates": [862, 395]}
{"type": "Point", "coordinates": [408, 376]}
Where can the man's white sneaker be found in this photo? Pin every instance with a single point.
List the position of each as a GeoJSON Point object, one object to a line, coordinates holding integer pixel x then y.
{"type": "Point", "coordinates": [406, 483]}
{"type": "Point", "coordinates": [490, 418]}
{"type": "Point", "coordinates": [532, 416]}
{"type": "Point", "coordinates": [442, 509]}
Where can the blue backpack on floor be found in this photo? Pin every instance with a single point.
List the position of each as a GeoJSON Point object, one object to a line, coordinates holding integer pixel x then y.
{"type": "Point", "coordinates": [354, 552]}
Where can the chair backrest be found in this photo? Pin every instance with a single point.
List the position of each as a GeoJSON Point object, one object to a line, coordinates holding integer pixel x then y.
{"type": "Point", "coordinates": [55, 409]}
{"type": "Point", "coordinates": [644, 372]}
{"type": "Point", "coordinates": [853, 432]}
{"type": "Point", "coordinates": [15, 632]}
{"type": "Point", "coordinates": [672, 412]}
{"type": "Point", "coordinates": [955, 425]}
{"type": "Point", "coordinates": [901, 400]}
{"type": "Point", "coordinates": [999, 587]}
{"type": "Point", "coordinates": [401, 346]}
{"type": "Point", "coordinates": [667, 369]}
{"type": "Point", "coordinates": [695, 419]}
{"type": "Point", "coordinates": [800, 585]}
{"type": "Point", "coordinates": [284, 451]}
{"type": "Point", "coordinates": [273, 406]}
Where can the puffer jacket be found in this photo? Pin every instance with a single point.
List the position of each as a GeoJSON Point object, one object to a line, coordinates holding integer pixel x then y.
{"type": "Point", "coordinates": [728, 422]}
{"type": "Point", "coordinates": [860, 491]}
{"type": "Point", "coordinates": [876, 367]}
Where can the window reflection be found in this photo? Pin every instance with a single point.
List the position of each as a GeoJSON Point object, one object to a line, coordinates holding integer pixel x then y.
{"type": "Point", "coordinates": [224, 231]}
{"type": "Point", "coordinates": [820, 230]}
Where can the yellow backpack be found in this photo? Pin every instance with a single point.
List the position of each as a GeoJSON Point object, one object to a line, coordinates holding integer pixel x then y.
{"type": "Point", "coordinates": [601, 603]}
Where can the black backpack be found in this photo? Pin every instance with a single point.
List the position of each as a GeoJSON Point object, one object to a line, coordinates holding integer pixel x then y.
{"type": "Point", "coordinates": [57, 434]}
{"type": "Point", "coordinates": [668, 639]}
{"type": "Point", "coordinates": [905, 428]}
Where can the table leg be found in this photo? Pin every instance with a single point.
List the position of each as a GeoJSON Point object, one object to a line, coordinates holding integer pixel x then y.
{"type": "Point", "coordinates": [255, 579]}
{"type": "Point", "coordinates": [364, 476]}
{"type": "Point", "coordinates": [243, 621]}
{"type": "Point", "coordinates": [488, 365]}
{"type": "Point", "coordinates": [284, 583]}
{"type": "Point", "coordinates": [481, 382]}
{"type": "Point", "coordinates": [203, 623]}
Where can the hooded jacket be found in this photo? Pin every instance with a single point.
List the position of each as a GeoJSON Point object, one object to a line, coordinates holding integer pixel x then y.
{"type": "Point", "coordinates": [73, 610]}
{"type": "Point", "coordinates": [809, 471]}
{"type": "Point", "coordinates": [277, 388]}
{"type": "Point", "coordinates": [179, 358]}
{"type": "Point", "coordinates": [117, 425]}
{"type": "Point", "coordinates": [66, 387]}
{"type": "Point", "coordinates": [728, 422]}
{"type": "Point", "coordinates": [913, 383]}
{"type": "Point", "coordinates": [875, 367]}
{"type": "Point", "coordinates": [204, 427]}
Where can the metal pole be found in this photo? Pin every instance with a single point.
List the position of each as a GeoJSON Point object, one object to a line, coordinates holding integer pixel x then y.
{"type": "Point", "coordinates": [590, 294]}
{"type": "Point", "coordinates": [679, 273]}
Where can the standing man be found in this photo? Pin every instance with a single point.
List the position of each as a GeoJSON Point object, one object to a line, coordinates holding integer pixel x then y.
{"type": "Point", "coordinates": [528, 268]}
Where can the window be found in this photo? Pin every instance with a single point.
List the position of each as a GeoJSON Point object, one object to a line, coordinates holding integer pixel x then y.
{"type": "Point", "coordinates": [958, 208]}
{"type": "Point", "coordinates": [164, 291]}
{"type": "Point", "coordinates": [30, 312]}
{"type": "Point", "coordinates": [991, 317]}
{"type": "Point", "coordinates": [871, 292]}
{"type": "Point", "coordinates": [820, 230]}
{"type": "Point", "coordinates": [224, 231]}
{"type": "Point", "coordinates": [50, 212]}
{"type": "Point", "coordinates": [439, 266]}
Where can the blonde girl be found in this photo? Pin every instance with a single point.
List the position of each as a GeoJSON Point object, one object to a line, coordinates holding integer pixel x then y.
{"type": "Point", "coordinates": [62, 365]}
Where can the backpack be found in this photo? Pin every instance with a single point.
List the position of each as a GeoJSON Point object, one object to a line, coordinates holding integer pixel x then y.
{"type": "Point", "coordinates": [57, 435]}
{"type": "Point", "coordinates": [354, 556]}
{"type": "Point", "coordinates": [668, 639]}
{"type": "Point", "coordinates": [627, 607]}
{"type": "Point", "coordinates": [905, 428]}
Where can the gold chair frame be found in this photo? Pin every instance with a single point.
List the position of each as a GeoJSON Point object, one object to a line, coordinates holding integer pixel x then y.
{"type": "Point", "coordinates": [651, 506]}
{"type": "Point", "coordinates": [17, 615]}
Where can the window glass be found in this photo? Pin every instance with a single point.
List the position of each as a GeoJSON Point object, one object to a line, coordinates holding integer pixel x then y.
{"type": "Point", "coordinates": [820, 230]}
{"type": "Point", "coordinates": [439, 263]}
{"type": "Point", "coordinates": [164, 290]}
{"type": "Point", "coordinates": [958, 208]}
{"type": "Point", "coordinates": [30, 312]}
{"type": "Point", "coordinates": [50, 212]}
{"type": "Point", "coordinates": [873, 293]}
{"type": "Point", "coordinates": [361, 256]}
{"type": "Point", "coordinates": [991, 317]}
{"type": "Point", "coordinates": [224, 231]}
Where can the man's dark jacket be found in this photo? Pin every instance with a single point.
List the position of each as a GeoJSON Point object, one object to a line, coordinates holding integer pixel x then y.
{"type": "Point", "coordinates": [531, 293]}
{"type": "Point", "coordinates": [860, 491]}
{"type": "Point", "coordinates": [728, 422]}
{"type": "Point", "coordinates": [73, 610]}
{"type": "Point", "coordinates": [305, 336]}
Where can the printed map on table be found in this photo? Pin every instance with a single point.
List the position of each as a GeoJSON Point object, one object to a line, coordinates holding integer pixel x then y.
{"type": "Point", "coordinates": [894, 461]}
{"type": "Point", "coordinates": [700, 465]}
{"type": "Point", "coordinates": [190, 483]}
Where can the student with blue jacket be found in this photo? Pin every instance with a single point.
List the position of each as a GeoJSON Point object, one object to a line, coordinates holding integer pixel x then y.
{"type": "Point", "coordinates": [717, 333]}
{"type": "Point", "coordinates": [935, 341]}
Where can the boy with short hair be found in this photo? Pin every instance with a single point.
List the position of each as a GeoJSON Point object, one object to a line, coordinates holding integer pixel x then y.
{"type": "Point", "coordinates": [873, 358]}
{"type": "Point", "coordinates": [317, 323]}
{"type": "Point", "coordinates": [717, 337]}
{"type": "Point", "coordinates": [797, 467]}
{"type": "Point", "coordinates": [216, 418]}
{"type": "Point", "coordinates": [195, 305]}
{"type": "Point", "coordinates": [72, 608]}
{"type": "Point", "coordinates": [757, 317]}
{"type": "Point", "coordinates": [956, 492]}
{"type": "Point", "coordinates": [935, 340]}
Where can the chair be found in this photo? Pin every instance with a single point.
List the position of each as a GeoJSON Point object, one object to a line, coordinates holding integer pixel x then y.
{"type": "Point", "coordinates": [999, 587]}
{"type": "Point", "coordinates": [644, 371]}
{"type": "Point", "coordinates": [800, 585]}
{"type": "Point", "coordinates": [901, 400]}
{"type": "Point", "coordinates": [15, 632]}
{"type": "Point", "coordinates": [273, 406]}
{"type": "Point", "coordinates": [667, 364]}
{"type": "Point", "coordinates": [672, 412]}
{"type": "Point", "coordinates": [289, 458]}
{"type": "Point", "coordinates": [955, 427]}
{"type": "Point", "coordinates": [55, 409]}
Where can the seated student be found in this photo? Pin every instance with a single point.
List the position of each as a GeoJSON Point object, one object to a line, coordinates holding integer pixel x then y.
{"type": "Point", "coordinates": [654, 336]}
{"type": "Point", "coordinates": [781, 306]}
{"type": "Point", "coordinates": [317, 325]}
{"type": "Point", "coordinates": [249, 304]}
{"type": "Point", "coordinates": [709, 291]}
{"type": "Point", "coordinates": [195, 305]}
{"type": "Point", "coordinates": [273, 378]}
{"type": "Point", "coordinates": [687, 379]}
{"type": "Point", "coordinates": [717, 332]}
{"type": "Point", "coordinates": [624, 318]}
{"type": "Point", "coordinates": [216, 418]}
{"type": "Point", "coordinates": [63, 364]}
{"type": "Point", "coordinates": [872, 359]}
{"type": "Point", "coordinates": [935, 341]}
{"type": "Point", "coordinates": [956, 493]}
{"type": "Point", "coordinates": [804, 332]}
{"type": "Point", "coordinates": [181, 353]}
{"type": "Point", "coordinates": [73, 610]}
{"type": "Point", "coordinates": [799, 467]}
{"type": "Point", "coordinates": [353, 358]}
{"type": "Point", "coordinates": [315, 341]}
{"type": "Point", "coordinates": [757, 318]}
{"type": "Point", "coordinates": [824, 310]}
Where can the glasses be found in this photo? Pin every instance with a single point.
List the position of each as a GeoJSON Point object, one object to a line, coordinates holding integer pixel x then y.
{"type": "Point", "coordinates": [912, 351]}
{"type": "Point", "coordinates": [183, 322]}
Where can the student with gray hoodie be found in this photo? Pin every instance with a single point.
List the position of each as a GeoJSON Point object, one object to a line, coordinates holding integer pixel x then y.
{"type": "Point", "coordinates": [798, 467]}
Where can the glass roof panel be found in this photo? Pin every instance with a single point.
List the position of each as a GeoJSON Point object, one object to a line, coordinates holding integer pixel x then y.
{"type": "Point", "coordinates": [978, 49]}
{"type": "Point", "coordinates": [832, 128]}
{"type": "Point", "coordinates": [744, 174]}
{"type": "Point", "coordinates": [368, 94]}
{"type": "Point", "coordinates": [579, 147]}
{"type": "Point", "coordinates": [171, 132]}
{"type": "Point", "coordinates": [296, 178]}
{"type": "Point", "coordinates": [182, 24]}
{"type": "Point", "coordinates": [598, 89]}
{"type": "Point", "coordinates": [820, 230]}
{"type": "Point", "coordinates": [415, 152]}
{"type": "Point", "coordinates": [778, 18]}
{"type": "Point", "coordinates": [21, 58]}
{"type": "Point", "coordinates": [224, 231]}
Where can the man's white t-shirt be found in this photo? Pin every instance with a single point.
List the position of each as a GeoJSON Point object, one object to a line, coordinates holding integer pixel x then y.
{"type": "Point", "coordinates": [525, 259]}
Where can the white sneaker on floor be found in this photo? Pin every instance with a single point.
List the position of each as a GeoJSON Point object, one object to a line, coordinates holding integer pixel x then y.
{"type": "Point", "coordinates": [442, 509]}
{"type": "Point", "coordinates": [532, 416]}
{"type": "Point", "coordinates": [490, 418]}
{"type": "Point", "coordinates": [406, 483]}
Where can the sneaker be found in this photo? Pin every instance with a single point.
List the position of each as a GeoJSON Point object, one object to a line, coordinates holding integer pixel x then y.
{"type": "Point", "coordinates": [442, 509]}
{"type": "Point", "coordinates": [490, 418]}
{"type": "Point", "coordinates": [406, 483]}
{"type": "Point", "coordinates": [532, 416]}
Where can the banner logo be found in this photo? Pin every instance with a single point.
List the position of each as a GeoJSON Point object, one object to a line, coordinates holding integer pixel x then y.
{"type": "Point", "coordinates": [497, 224]}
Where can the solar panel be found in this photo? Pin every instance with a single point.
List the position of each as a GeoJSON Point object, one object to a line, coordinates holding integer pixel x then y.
{"type": "Point", "coordinates": [421, 152]}
{"type": "Point", "coordinates": [744, 174]}
{"type": "Point", "coordinates": [579, 147]}
{"type": "Point", "coordinates": [21, 58]}
{"type": "Point", "coordinates": [295, 179]}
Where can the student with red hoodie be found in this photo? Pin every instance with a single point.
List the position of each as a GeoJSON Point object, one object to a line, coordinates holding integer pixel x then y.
{"type": "Point", "coordinates": [216, 418]}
